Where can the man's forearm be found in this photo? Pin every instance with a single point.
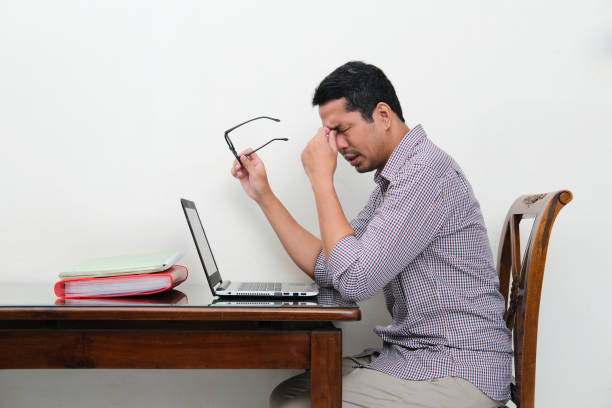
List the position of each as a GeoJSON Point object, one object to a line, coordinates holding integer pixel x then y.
{"type": "Point", "coordinates": [301, 245]}
{"type": "Point", "coordinates": [332, 221]}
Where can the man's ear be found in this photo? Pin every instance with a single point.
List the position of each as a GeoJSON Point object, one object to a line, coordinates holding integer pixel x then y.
{"type": "Point", "coordinates": [383, 114]}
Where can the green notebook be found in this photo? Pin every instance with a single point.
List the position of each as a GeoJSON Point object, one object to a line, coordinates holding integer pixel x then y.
{"type": "Point", "coordinates": [123, 265]}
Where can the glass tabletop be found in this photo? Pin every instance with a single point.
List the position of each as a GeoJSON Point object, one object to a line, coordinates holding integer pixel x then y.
{"type": "Point", "coordinates": [186, 295]}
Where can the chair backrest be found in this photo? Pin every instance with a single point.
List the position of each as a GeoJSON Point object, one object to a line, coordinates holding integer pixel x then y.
{"type": "Point", "coordinates": [523, 307]}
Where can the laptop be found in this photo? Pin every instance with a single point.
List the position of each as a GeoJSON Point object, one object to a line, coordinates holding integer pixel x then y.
{"type": "Point", "coordinates": [223, 301]}
{"type": "Point", "coordinates": [221, 287]}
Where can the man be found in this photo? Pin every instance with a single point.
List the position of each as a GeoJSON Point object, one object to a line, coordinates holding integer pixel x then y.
{"type": "Point", "coordinates": [421, 239]}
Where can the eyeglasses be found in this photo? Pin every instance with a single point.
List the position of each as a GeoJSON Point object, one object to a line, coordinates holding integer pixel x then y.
{"type": "Point", "coordinates": [231, 145]}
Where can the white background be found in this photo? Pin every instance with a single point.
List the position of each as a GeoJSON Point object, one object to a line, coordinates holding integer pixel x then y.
{"type": "Point", "coordinates": [111, 111]}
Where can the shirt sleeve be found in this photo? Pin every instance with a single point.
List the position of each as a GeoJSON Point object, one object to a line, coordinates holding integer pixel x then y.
{"type": "Point", "coordinates": [359, 225]}
{"type": "Point", "coordinates": [406, 222]}
{"type": "Point", "coordinates": [321, 276]}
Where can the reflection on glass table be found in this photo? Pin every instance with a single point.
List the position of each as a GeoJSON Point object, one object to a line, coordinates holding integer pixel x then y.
{"type": "Point", "coordinates": [326, 298]}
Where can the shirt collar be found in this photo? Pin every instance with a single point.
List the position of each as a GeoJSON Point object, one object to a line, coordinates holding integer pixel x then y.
{"type": "Point", "coordinates": [400, 154]}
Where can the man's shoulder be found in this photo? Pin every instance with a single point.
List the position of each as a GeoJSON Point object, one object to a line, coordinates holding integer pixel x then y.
{"type": "Point", "coordinates": [428, 158]}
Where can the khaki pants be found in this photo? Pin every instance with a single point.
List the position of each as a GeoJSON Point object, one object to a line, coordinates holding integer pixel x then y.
{"type": "Point", "coordinates": [364, 387]}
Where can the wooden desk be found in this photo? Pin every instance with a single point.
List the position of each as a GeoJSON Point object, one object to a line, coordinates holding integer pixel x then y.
{"type": "Point", "coordinates": [190, 335]}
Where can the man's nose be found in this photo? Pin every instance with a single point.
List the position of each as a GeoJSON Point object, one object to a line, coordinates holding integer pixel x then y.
{"type": "Point", "coordinates": [341, 142]}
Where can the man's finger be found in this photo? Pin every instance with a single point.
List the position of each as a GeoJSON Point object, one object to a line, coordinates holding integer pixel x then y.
{"type": "Point", "coordinates": [322, 132]}
{"type": "Point", "coordinates": [243, 155]}
{"type": "Point", "coordinates": [237, 170]}
{"type": "Point", "coordinates": [254, 158]}
{"type": "Point", "coordinates": [247, 163]}
{"type": "Point", "coordinates": [332, 141]}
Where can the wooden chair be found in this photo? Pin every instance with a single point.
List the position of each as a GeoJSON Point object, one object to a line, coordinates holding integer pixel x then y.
{"type": "Point", "coordinates": [524, 307]}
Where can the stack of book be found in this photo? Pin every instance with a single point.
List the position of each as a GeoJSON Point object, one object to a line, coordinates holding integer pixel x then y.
{"type": "Point", "coordinates": [130, 275]}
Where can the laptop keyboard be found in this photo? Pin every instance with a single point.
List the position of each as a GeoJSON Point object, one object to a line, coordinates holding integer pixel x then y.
{"type": "Point", "coordinates": [260, 286]}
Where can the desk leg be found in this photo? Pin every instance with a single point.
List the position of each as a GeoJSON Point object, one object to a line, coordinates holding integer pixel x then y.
{"type": "Point", "coordinates": [326, 368]}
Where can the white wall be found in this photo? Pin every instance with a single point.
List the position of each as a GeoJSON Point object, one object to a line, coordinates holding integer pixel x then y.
{"type": "Point", "coordinates": [112, 110]}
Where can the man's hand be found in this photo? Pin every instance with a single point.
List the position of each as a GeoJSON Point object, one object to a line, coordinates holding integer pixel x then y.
{"type": "Point", "coordinates": [252, 175]}
{"type": "Point", "coordinates": [301, 245]}
{"type": "Point", "coordinates": [320, 157]}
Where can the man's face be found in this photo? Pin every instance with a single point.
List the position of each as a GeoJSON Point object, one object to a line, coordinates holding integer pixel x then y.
{"type": "Point", "coordinates": [358, 140]}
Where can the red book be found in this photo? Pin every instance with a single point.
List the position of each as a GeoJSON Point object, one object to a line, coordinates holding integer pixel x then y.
{"type": "Point", "coordinates": [125, 285]}
{"type": "Point", "coordinates": [171, 297]}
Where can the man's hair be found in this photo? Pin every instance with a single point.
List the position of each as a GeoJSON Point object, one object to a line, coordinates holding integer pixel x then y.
{"type": "Point", "coordinates": [363, 85]}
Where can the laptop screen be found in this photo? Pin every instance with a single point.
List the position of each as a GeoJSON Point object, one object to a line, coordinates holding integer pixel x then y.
{"type": "Point", "coordinates": [199, 237]}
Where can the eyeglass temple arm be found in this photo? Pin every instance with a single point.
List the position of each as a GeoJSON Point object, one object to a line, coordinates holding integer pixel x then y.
{"type": "Point", "coordinates": [264, 145]}
{"type": "Point", "coordinates": [250, 120]}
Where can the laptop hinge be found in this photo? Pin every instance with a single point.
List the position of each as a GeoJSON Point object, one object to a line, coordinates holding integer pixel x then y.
{"type": "Point", "coordinates": [223, 285]}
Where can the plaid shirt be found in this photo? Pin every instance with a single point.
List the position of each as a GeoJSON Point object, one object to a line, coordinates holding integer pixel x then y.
{"type": "Point", "coordinates": [421, 239]}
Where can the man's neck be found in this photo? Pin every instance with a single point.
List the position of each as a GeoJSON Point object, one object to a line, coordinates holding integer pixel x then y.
{"type": "Point", "coordinates": [397, 135]}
